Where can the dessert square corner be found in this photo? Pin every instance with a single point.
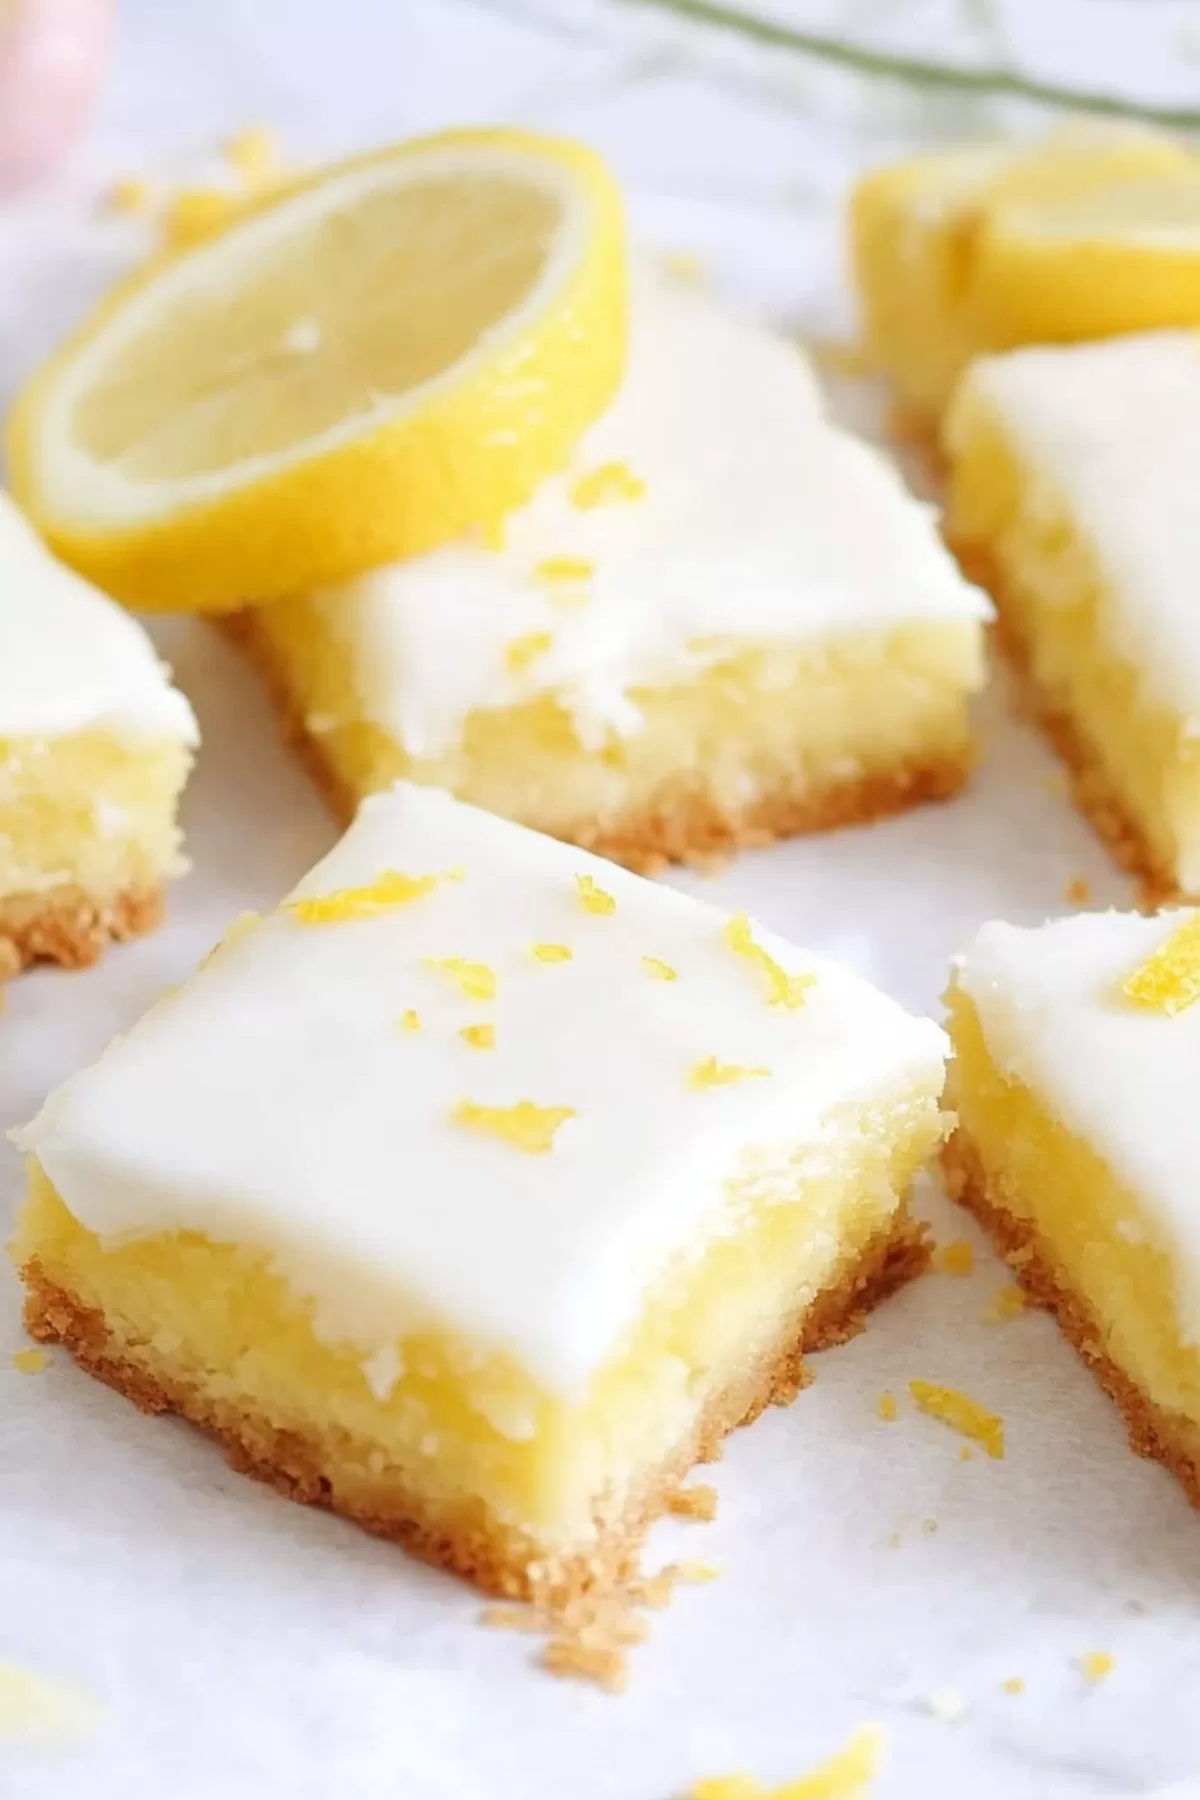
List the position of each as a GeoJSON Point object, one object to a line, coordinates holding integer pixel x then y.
{"type": "Point", "coordinates": [725, 622]}
{"type": "Point", "coordinates": [1076, 1048]}
{"type": "Point", "coordinates": [480, 1189]}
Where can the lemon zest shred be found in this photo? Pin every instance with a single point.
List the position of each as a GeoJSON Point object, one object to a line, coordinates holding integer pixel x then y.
{"type": "Point", "coordinates": [554, 570]}
{"type": "Point", "coordinates": [843, 1776]}
{"type": "Point", "coordinates": [660, 970]}
{"type": "Point", "coordinates": [1169, 981]}
{"type": "Point", "coordinates": [410, 1020]}
{"type": "Point", "coordinates": [552, 953]}
{"type": "Point", "coordinates": [710, 1073]}
{"type": "Point", "coordinates": [387, 892]}
{"type": "Point", "coordinates": [957, 1410]}
{"type": "Point", "coordinates": [480, 1037]}
{"type": "Point", "coordinates": [29, 1361]}
{"type": "Point", "coordinates": [521, 653]}
{"type": "Point", "coordinates": [783, 989]}
{"type": "Point", "coordinates": [254, 156]}
{"type": "Point", "coordinates": [1094, 1665]}
{"type": "Point", "coordinates": [1014, 1684]}
{"type": "Point", "coordinates": [610, 481]}
{"type": "Point", "coordinates": [526, 1126]}
{"type": "Point", "coordinates": [886, 1407]}
{"type": "Point", "coordinates": [195, 214]}
{"type": "Point", "coordinates": [594, 899]}
{"type": "Point", "coordinates": [1008, 1302]}
{"type": "Point", "coordinates": [476, 980]}
{"type": "Point", "coordinates": [130, 195]}
{"type": "Point", "coordinates": [955, 1258]}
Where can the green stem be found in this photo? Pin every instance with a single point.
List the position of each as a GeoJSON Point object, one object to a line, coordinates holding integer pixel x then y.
{"type": "Point", "coordinates": [916, 72]}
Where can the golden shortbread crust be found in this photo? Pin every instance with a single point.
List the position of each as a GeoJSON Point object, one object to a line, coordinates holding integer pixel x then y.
{"type": "Point", "coordinates": [687, 824]}
{"type": "Point", "coordinates": [1163, 1436]}
{"type": "Point", "coordinates": [70, 926]}
{"type": "Point", "coordinates": [498, 1558]}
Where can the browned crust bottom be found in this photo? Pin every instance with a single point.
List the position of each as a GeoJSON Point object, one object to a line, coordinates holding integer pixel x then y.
{"type": "Point", "coordinates": [1091, 787]}
{"type": "Point", "coordinates": [67, 925]}
{"type": "Point", "coordinates": [498, 1559]}
{"type": "Point", "coordinates": [686, 823]}
{"type": "Point", "coordinates": [1153, 1432]}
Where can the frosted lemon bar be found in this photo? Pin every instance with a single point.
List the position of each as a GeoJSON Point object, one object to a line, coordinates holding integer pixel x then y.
{"type": "Point", "coordinates": [723, 622]}
{"type": "Point", "coordinates": [1074, 1077]}
{"type": "Point", "coordinates": [95, 746]}
{"type": "Point", "coordinates": [1083, 234]}
{"type": "Point", "coordinates": [481, 1189]}
{"type": "Point", "coordinates": [1073, 478]}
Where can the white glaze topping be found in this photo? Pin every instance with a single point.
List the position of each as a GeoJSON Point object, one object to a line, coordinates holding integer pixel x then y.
{"type": "Point", "coordinates": [1122, 1077]}
{"type": "Point", "coordinates": [278, 1101]}
{"type": "Point", "coordinates": [759, 523]}
{"type": "Point", "coordinates": [69, 658]}
{"type": "Point", "coordinates": [1113, 430]}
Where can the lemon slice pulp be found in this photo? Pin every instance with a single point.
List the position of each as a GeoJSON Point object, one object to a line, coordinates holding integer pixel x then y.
{"type": "Point", "coordinates": [386, 356]}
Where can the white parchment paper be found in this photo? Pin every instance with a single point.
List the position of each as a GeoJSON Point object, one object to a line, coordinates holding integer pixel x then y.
{"type": "Point", "coordinates": [241, 1647]}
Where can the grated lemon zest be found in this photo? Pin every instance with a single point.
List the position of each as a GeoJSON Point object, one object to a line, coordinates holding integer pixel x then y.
{"type": "Point", "coordinates": [1169, 981]}
{"type": "Point", "coordinates": [411, 1020]}
{"type": "Point", "coordinates": [1007, 1303]}
{"type": "Point", "coordinates": [254, 155]}
{"type": "Point", "coordinates": [1015, 1684]}
{"type": "Point", "coordinates": [956, 1258]}
{"type": "Point", "coordinates": [886, 1407]}
{"type": "Point", "coordinates": [661, 971]}
{"type": "Point", "coordinates": [521, 653]}
{"type": "Point", "coordinates": [845, 1776]}
{"type": "Point", "coordinates": [710, 1073]}
{"type": "Point", "coordinates": [1094, 1665]}
{"type": "Point", "coordinates": [610, 481]}
{"type": "Point", "coordinates": [552, 953]}
{"type": "Point", "coordinates": [30, 1361]}
{"type": "Point", "coordinates": [384, 894]}
{"type": "Point", "coordinates": [195, 214]}
{"type": "Point", "coordinates": [957, 1410]}
{"type": "Point", "coordinates": [784, 989]}
{"type": "Point", "coordinates": [475, 980]}
{"type": "Point", "coordinates": [554, 570]}
{"type": "Point", "coordinates": [480, 1037]}
{"type": "Point", "coordinates": [592, 898]}
{"type": "Point", "coordinates": [132, 194]}
{"type": "Point", "coordinates": [525, 1126]}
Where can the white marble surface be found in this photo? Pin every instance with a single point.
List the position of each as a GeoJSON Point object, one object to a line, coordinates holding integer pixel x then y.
{"type": "Point", "coordinates": [246, 1649]}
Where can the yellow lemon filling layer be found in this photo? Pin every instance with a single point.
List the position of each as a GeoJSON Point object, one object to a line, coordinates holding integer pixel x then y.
{"type": "Point", "coordinates": [797, 719]}
{"type": "Point", "coordinates": [1100, 1242]}
{"type": "Point", "coordinates": [88, 809]}
{"type": "Point", "coordinates": [453, 1426]}
{"type": "Point", "coordinates": [1058, 604]}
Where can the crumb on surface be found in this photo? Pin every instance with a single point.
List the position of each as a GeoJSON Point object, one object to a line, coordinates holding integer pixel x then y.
{"type": "Point", "coordinates": [955, 1258]}
{"type": "Point", "coordinates": [886, 1407]}
{"type": "Point", "coordinates": [846, 1775]}
{"type": "Point", "coordinates": [957, 1410]}
{"type": "Point", "coordinates": [1078, 891]}
{"type": "Point", "coordinates": [929, 1526]}
{"type": "Point", "coordinates": [1094, 1665]}
{"type": "Point", "coordinates": [1008, 1302]}
{"type": "Point", "coordinates": [1014, 1684]}
{"type": "Point", "coordinates": [29, 1361]}
{"type": "Point", "coordinates": [606, 1665]}
{"type": "Point", "coordinates": [696, 1502]}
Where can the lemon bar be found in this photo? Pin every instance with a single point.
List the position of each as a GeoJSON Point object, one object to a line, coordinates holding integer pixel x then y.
{"type": "Point", "coordinates": [1076, 1056]}
{"type": "Point", "coordinates": [992, 245]}
{"type": "Point", "coordinates": [481, 1189]}
{"type": "Point", "coordinates": [95, 746]}
{"type": "Point", "coordinates": [1072, 495]}
{"type": "Point", "coordinates": [723, 622]}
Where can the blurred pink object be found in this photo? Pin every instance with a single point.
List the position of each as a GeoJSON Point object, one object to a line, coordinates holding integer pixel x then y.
{"type": "Point", "coordinates": [53, 55]}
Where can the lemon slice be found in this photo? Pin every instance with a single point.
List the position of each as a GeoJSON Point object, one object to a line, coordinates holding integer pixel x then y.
{"type": "Point", "coordinates": [384, 357]}
{"type": "Point", "coordinates": [1120, 257]}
